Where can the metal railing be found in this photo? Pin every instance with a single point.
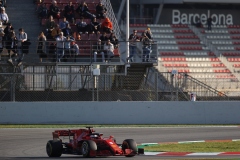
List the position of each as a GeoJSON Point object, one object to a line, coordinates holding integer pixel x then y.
{"type": "Point", "coordinates": [78, 83]}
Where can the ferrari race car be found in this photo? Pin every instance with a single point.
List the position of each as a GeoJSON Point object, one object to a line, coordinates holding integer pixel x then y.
{"type": "Point", "coordinates": [88, 143]}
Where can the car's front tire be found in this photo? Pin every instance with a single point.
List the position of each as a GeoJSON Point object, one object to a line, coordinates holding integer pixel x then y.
{"type": "Point", "coordinates": [54, 148]}
{"type": "Point", "coordinates": [87, 147]}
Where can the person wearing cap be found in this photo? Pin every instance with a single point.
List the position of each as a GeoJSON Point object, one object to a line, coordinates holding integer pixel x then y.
{"type": "Point", "coordinates": [21, 38]}
{"type": "Point", "coordinates": [98, 49]}
{"type": "Point", "coordinates": [133, 38]}
{"type": "Point", "coordinates": [60, 46]}
{"type": "Point", "coordinates": [3, 16]}
{"type": "Point", "coordinates": [101, 10]}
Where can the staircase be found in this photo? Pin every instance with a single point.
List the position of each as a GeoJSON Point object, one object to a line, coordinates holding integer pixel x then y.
{"type": "Point", "coordinates": [134, 78]}
{"type": "Point", "coordinates": [22, 15]}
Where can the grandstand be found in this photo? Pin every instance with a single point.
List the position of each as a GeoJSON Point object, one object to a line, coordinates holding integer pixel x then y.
{"type": "Point", "coordinates": [185, 59]}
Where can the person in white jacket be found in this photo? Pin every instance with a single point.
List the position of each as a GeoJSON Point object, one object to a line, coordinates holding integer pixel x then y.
{"type": "Point", "coordinates": [109, 48]}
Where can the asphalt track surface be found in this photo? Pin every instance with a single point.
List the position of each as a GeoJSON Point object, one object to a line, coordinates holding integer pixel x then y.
{"type": "Point", "coordinates": [26, 144]}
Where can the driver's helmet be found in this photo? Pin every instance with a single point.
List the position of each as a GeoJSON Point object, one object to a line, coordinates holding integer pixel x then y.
{"type": "Point", "coordinates": [93, 136]}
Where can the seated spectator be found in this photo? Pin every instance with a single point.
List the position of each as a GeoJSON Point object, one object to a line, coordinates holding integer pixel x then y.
{"type": "Point", "coordinates": [3, 16]}
{"type": "Point", "coordinates": [101, 10]}
{"type": "Point", "coordinates": [77, 36]}
{"type": "Point", "coordinates": [11, 45]}
{"type": "Point", "coordinates": [114, 40]}
{"type": "Point", "coordinates": [108, 47]}
{"type": "Point", "coordinates": [3, 3]}
{"type": "Point", "coordinates": [41, 50]}
{"type": "Point", "coordinates": [67, 31]}
{"type": "Point", "coordinates": [83, 11]}
{"type": "Point", "coordinates": [54, 10]}
{"type": "Point", "coordinates": [94, 26]}
{"type": "Point", "coordinates": [55, 32]}
{"type": "Point", "coordinates": [107, 25]}
{"type": "Point", "coordinates": [69, 12]}
{"type": "Point", "coordinates": [82, 26]}
{"type": "Point", "coordinates": [63, 24]}
{"type": "Point", "coordinates": [49, 25]}
{"type": "Point", "coordinates": [103, 38]}
{"type": "Point", "coordinates": [98, 49]}
{"type": "Point", "coordinates": [42, 11]}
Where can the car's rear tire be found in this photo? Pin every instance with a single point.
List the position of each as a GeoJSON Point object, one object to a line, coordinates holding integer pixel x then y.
{"type": "Point", "coordinates": [129, 144]}
{"type": "Point", "coordinates": [87, 147]}
{"type": "Point", "coordinates": [54, 148]}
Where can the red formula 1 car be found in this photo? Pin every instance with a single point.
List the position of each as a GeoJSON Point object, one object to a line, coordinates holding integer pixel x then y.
{"type": "Point", "coordinates": [88, 143]}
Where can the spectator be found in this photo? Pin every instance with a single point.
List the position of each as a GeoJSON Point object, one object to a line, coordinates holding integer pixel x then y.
{"type": "Point", "coordinates": [1, 40]}
{"type": "Point", "coordinates": [41, 50]}
{"type": "Point", "coordinates": [63, 24]}
{"type": "Point", "coordinates": [149, 33]}
{"type": "Point", "coordinates": [101, 10]}
{"type": "Point", "coordinates": [77, 36]}
{"type": "Point", "coordinates": [94, 26]}
{"type": "Point", "coordinates": [114, 40]}
{"type": "Point", "coordinates": [69, 12]}
{"type": "Point", "coordinates": [81, 26]}
{"type": "Point", "coordinates": [146, 47]}
{"type": "Point", "coordinates": [133, 38]}
{"type": "Point", "coordinates": [55, 32]}
{"type": "Point", "coordinates": [60, 46]}
{"type": "Point", "coordinates": [103, 38]}
{"type": "Point", "coordinates": [74, 48]}
{"type": "Point", "coordinates": [11, 45]}
{"type": "Point", "coordinates": [98, 49]}
{"type": "Point", "coordinates": [54, 10]}
{"type": "Point", "coordinates": [209, 23]}
{"type": "Point", "coordinates": [67, 47]}
{"type": "Point", "coordinates": [42, 10]}
{"type": "Point", "coordinates": [108, 47]}
{"type": "Point", "coordinates": [107, 25]}
{"type": "Point", "coordinates": [21, 37]}
{"type": "Point", "coordinates": [67, 31]}
{"type": "Point", "coordinates": [49, 26]}
{"type": "Point", "coordinates": [8, 29]}
{"type": "Point", "coordinates": [4, 17]}
{"type": "Point", "coordinates": [2, 3]}
{"type": "Point", "coordinates": [83, 10]}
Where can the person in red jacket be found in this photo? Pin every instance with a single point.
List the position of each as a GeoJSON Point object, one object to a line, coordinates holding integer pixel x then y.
{"type": "Point", "coordinates": [107, 25]}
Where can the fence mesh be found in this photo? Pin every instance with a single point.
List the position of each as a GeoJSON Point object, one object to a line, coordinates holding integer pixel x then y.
{"type": "Point", "coordinates": [77, 83]}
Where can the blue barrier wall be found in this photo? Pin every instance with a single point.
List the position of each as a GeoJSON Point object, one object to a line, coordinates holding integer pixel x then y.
{"type": "Point", "coordinates": [120, 113]}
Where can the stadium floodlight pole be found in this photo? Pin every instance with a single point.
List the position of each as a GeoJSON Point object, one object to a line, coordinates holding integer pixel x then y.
{"type": "Point", "coordinates": [127, 28]}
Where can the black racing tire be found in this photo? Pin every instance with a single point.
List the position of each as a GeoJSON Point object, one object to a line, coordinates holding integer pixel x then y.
{"type": "Point", "coordinates": [129, 144]}
{"type": "Point", "coordinates": [54, 148]}
{"type": "Point", "coordinates": [88, 146]}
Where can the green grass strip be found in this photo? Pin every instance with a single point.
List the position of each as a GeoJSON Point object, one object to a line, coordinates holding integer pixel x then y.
{"type": "Point", "coordinates": [196, 147]}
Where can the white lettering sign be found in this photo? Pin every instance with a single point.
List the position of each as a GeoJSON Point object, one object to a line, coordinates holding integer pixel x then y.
{"type": "Point", "coordinates": [188, 18]}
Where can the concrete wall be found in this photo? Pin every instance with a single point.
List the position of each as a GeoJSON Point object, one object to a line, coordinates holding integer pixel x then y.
{"type": "Point", "coordinates": [120, 113]}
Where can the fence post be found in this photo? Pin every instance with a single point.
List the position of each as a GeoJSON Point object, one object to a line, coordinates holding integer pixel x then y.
{"type": "Point", "coordinates": [156, 85]}
{"type": "Point", "coordinates": [13, 79]}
